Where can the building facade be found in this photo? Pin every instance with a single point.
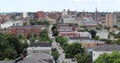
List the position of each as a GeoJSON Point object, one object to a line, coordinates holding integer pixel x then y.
{"type": "Point", "coordinates": [110, 20]}
{"type": "Point", "coordinates": [25, 30]}
{"type": "Point", "coordinates": [97, 51]}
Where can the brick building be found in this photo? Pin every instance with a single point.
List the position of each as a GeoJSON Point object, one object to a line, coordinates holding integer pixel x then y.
{"type": "Point", "coordinates": [4, 18]}
{"type": "Point", "coordinates": [69, 34]}
{"type": "Point", "coordinates": [25, 30]}
{"type": "Point", "coordinates": [53, 16]}
{"type": "Point", "coordinates": [110, 20]}
{"type": "Point", "coordinates": [40, 15]}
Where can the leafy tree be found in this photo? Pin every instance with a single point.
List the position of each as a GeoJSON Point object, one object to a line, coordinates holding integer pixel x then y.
{"type": "Point", "coordinates": [107, 41]}
{"type": "Point", "coordinates": [10, 53]}
{"type": "Point", "coordinates": [73, 49]}
{"type": "Point", "coordinates": [117, 35]}
{"type": "Point", "coordinates": [93, 33]}
{"type": "Point", "coordinates": [55, 54]}
{"type": "Point", "coordinates": [10, 46]}
{"type": "Point", "coordinates": [24, 24]}
{"type": "Point", "coordinates": [61, 40]}
{"type": "Point", "coordinates": [96, 38]}
{"type": "Point", "coordinates": [14, 42]}
{"type": "Point", "coordinates": [35, 35]}
{"type": "Point", "coordinates": [44, 35]}
{"type": "Point", "coordinates": [32, 22]}
{"type": "Point", "coordinates": [115, 26]}
{"type": "Point", "coordinates": [117, 61]}
{"type": "Point", "coordinates": [65, 45]}
{"type": "Point", "coordinates": [114, 57]}
{"type": "Point", "coordinates": [42, 22]}
{"type": "Point", "coordinates": [28, 36]}
{"type": "Point", "coordinates": [117, 41]}
{"type": "Point", "coordinates": [55, 31]}
{"type": "Point", "coordinates": [84, 58]}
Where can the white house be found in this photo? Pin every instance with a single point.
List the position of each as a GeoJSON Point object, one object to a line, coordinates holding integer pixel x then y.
{"type": "Point", "coordinates": [103, 34]}
{"type": "Point", "coordinates": [97, 51]}
{"type": "Point", "coordinates": [39, 48]}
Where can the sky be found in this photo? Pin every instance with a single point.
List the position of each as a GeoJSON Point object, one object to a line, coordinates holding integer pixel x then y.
{"type": "Point", "coordinates": [59, 5]}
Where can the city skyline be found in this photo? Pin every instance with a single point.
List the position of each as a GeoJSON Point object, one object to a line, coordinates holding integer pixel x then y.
{"type": "Point", "coordinates": [59, 5]}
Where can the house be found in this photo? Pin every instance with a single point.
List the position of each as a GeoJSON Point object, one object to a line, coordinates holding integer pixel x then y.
{"type": "Point", "coordinates": [69, 34]}
{"type": "Point", "coordinates": [85, 41]}
{"type": "Point", "coordinates": [66, 28]}
{"type": "Point", "coordinates": [11, 23]}
{"type": "Point", "coordinates": [40, 15]}
{"type": "Point", "coordinates": [89, 23]}
{"type": "Point", "coordinates": [25, 30]}
{"type": "Point", "coordinates": [5, 17]}
{"type": "Point", "coordinates": [85, 34]}
{"type": "Point", "coordinates": [69, 19]}
{"type": "Point", "coordinates": [103, 34]}
{"type": "Point", "coordinates": [39, 47]}
{"type": "Point", "coordinates": [107, 48]}
{"type": "Point", "coordinates": [38, 58]}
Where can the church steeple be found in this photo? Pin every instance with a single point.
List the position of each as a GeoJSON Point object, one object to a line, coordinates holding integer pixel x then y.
{"type": "Point", "coordinates": [96, 15]}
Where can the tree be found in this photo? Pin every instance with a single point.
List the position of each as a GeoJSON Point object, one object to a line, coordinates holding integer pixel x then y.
{"type": "Point", "coordinates": [115, 26]}
{"type": "Point", "coordinates": [28, 36]}
{"type": "Point", "coordinates": [10, 46]}
{"type": "Point", "coordinates": [10, 53]}
{"type": "Point", "coordinates": [55, 54]}
{"type": "Point", "coordinates": [32, 22]}
{"type": "Point", "coordinates": [73, 49]}
{"type": "Point", "coordinates": [15, 43]}
{"type": "Point", "coordinates": [44, 35]}
{"type": "Point", "coordinates": [117, 35]}
{"type": "Point", "coordinates": [93, 33]}
{"type": "Point", "coordinates": [65, 45]}
{"type": "Point", "coordinates": [55, 32]}
{"type": "Point", "coordinates": [107, 41]}
{"type": "Point", "coordinates": [35, 35]}
{"type": "Point", "coordinates": [96, 38]}
{"type": "Point", "coordinates": [114, 57]}
{"type": "Point", "coordinates": [117, 61]}
{"type": "Point", "coordinates": [61, 40]}
{"type": "Point", "coordinates": [84, 58]}
{"type": "Point", "coordinates": [117, 41]}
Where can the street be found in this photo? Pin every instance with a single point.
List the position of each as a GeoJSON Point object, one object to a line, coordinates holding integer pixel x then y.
{"type": "Point", "coordinates": [56, 45]}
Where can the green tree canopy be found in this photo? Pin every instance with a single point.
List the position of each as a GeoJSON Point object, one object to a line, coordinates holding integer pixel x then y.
{"type": "Point", "coordinates": [61, 40]}
{"type": "Point", "coordinates": [72, 49]}
{"type": "Point", "coordinates": [93, 33]}
{"type": "Point", "coordinates": [10, 46]}
{"type": "Point", "coordinates": [55, 54]}
{"type": "Point", "coordinates": [44, 35]}
{"type": "Point", "coordinates": [84, 58]}
{"type": "Point", "coordinates": [114, 57]}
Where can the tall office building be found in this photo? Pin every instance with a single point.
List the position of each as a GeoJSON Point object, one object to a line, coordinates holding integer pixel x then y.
{"type": "Point", "coordinates": [110, 20]}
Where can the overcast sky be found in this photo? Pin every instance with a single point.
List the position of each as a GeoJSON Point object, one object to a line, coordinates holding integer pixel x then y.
{"type": "Point", "coordinates": [59, 5]}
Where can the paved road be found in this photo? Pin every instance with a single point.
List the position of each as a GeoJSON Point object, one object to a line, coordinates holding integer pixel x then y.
{"type": "Point", "coordinates": [56, 45]}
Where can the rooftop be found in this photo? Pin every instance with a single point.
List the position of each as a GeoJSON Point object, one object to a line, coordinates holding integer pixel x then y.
{"type": "Point", "coordinates": [40, 44]}
{"type": "Point", "coordinates": [35, 26]}
{"type": "Point", "coordinates": [76, 38]}
{"type": "Point", "coordinates": [107, 47]}
{"type": "Point", "coordinates": [37, 58]}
